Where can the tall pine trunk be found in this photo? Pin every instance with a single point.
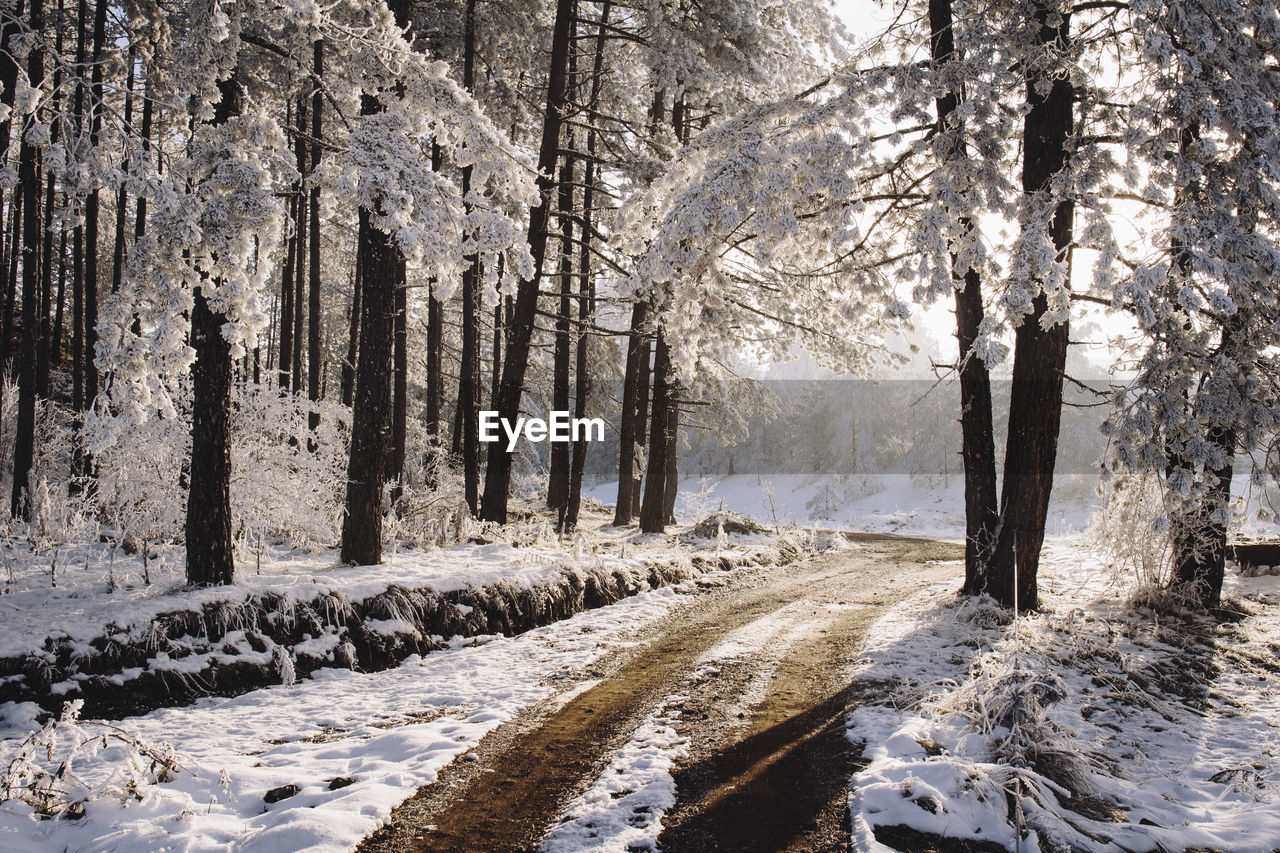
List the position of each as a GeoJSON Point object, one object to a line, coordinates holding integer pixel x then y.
{"type": "Point", "coordinates": [82, 462]}
{"type": "Point", "coordinates": [209, 549]}
{"type": "Point", "coordinates": [300, 265]}
{"type": "Point", "coordinates": [558, 478]}
{"type": "Point", "coordinates": [981, 497]}
{"type": "Point", "coordinates": [32, 232]}
{"type": "Point", "coordinates": [1040, 354]}
{"type": "Point", "coordinates": [653, 508]}
{"type": "Point", "coordinates": [469, 369]}
{"type": "Point", "coordinates": [314, 358]}
{"type": "Point", "coordinates": [498, 476]}
{"type": "Point", "coordinates": [586, 284]}
{"type": "Point", "coordinates": [348, 389]}
{"type": "Point", "coordinates": [631, 428]}
{"type": "Point", "coordinates": [383, 275]}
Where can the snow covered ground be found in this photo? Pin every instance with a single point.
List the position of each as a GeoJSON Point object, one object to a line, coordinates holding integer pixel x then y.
{"type": "Point", "coordinates": [81, 589]}
{"type": "Point", "coordinates": [881, 503]}
{"type": "Point", "coordinates": [390, 732]}
{"type": "Point", "coordinates": [1092, 726]}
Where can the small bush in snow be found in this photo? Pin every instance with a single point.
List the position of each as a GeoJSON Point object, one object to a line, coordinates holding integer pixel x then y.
{"type": "Point", "coordinates": [1131, 532]}
{"type": "Point", "coordinates": [46, 771]}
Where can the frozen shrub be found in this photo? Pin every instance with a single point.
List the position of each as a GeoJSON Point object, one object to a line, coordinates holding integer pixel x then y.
{"type": "Point", "coordinates": [61, 766]}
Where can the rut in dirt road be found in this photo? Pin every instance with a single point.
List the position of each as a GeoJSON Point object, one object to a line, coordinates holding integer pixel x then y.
{"type": "Point", "coordinates": [768, 775]}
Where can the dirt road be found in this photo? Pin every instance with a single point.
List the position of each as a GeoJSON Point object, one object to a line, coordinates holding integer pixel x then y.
{"type": "Point", "coordinates": [767, 759]}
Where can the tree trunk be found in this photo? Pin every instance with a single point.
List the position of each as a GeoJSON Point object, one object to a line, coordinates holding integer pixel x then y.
{"type": "Point", "coordinates": [469, 369]}
{"type": "Point", "coordinates": [586, 284]}
{"type": "Point", "coordinates": [32, 231]}
{"type": "Point", "coordinates": [1199, 536]}
{"type": "Point", "coordinates": [498, 475]}
{"type": "Point", "coordinates": [55, 344]}
{"type": "Point", "coordinates": [435, 357]}
{"type": "Point", "coordinates": [8, 236]}
{"type": "Point", "coordinates": [652, 515]}
{"type": "Point", "coordinates": [314, 358]}
{"type": "Point", "coordinates": [399, 388]}
{"type": "Point", "coordinates": [643, 411]}
{"type": "Point", "coordinates": [285, 362]}
{"type": "Point", "coordinates": [671, 469]}
{"type": "Point", "coordinates": [353, 336]}
{"type": "Point", "coordinates": [45, 333]}
{"type": "Point", "coordinates": [981, 497]}
{"type": "Point", "coordinates": [632, 416]}
{"type": "Point", "coordinates": [300, 265]}
{"type": "Point", "coordinates": [371, 419]}
{"type": "Point", "coordinates": [1035, 402]}
{"type": "Point", "coordinates": [11, 276]}
{"type": "Point", "coordinates": [383, 276]}
{"type": "Point", "coordinates": [209, 549]}
{"type": "Point", "coordinates": [558, 479]}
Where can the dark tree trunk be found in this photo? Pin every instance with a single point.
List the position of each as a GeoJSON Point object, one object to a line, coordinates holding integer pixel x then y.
{"type": "Point", "coordinates": [469, 382]}
{"type": "Point", "coordinates": [586, 284]}
{"type": "Point", "coordinates": [383, 276]}
{"type": "Point", "coordinates": [314, 358]}
{"type": "Point", "coordinates": [435, 367]}
{"type": "Point", "coordinates": [14, 243]}
{"type": "Point", "coordinates": [209, 549]}
{"type": "Point", "coordinates": [652, 514]}
{"type": "Point", "coordinates": [45, 340]}
{"type": "Point", "coordinates": [435, 355]}
{"type": "Point", "coordinates": [399, 389]}
{"type": "Point", "coordinates": [632, 416]}
{"type": "Point", "coordinates": [91, 223]}
{"type": "Point", "coordinates": [77, 339]}
{"type": "Point", "coordinates": [671, 471]}
{"type": "Point", "coordinates": [78, 460]}
{"type": "Point", "coordinates": [558, 479]}
{"type": "Point", "coordinates": [643, 410]}
{"type": "Point", "coordinates": [498, 475]}
{"type": "Point", "coordinates": [495, 363]}
{"type": "Point", "coordinates": [140, 207]}
{"type": "Point", "coordinates": [353, 337]}
{"type": "Point", "coordinates": [981, 497]}
{"type": "Point", "coordinates": [122, 198]}
{"type": "Point", "coordinates": [1198, 531]}
{"type": "Point", "coordinates": [285, 362]}
{"type": "Point", "coordinates": [1199, 536]}
{"type": "Point", "coordinates": [32, 231]}
{"type": "Point", "coordinates": [56, 344]}
{"type": "Point", "coordinates": [371, 419]}
{"type": "Point", "coordinates": [467, 436]}
{"type": "Point", "coordinates": [300, 265]}
{"type": "Point", "coordinates": [1035, 402]}
{"type": "Point", "coordinates": [8, 236]}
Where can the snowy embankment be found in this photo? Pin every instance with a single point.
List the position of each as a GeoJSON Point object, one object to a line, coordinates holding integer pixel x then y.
{"type": "Point", "coordinates": [1090, 726]}
{"type": "Point", "coordinates": [320, 763]}
{"type": "Point", "coordinates": [123, 646]}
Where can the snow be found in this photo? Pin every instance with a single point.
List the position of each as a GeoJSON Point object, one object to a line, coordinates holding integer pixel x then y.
{"type": "Point", "coordinates": [81, 605]}
{"type": "Point", "coordinates": [926, 506]}
{"type": "Point", "coordinates": [391, 731]}
{"type": "Point", "coordinates": [1174, 739]}
{"type": "Point", "coordinates": [622, 810]}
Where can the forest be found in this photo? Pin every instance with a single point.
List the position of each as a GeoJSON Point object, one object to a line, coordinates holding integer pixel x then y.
{"type": "Point", "coordinates": [230, 263]}
{"type": "Point", "coordinates": [273, 271]}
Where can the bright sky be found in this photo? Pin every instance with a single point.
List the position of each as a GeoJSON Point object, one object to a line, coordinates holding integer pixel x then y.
{"type": "Point", "coordinates": [865, 19]}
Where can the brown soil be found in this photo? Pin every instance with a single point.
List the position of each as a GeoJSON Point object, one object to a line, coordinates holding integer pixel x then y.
{"type": "Point", "coordinates": [767, 754]}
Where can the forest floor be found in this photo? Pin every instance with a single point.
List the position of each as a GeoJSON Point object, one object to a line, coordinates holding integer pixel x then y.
{"type": "Point", "coordinates": [740, 693]}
